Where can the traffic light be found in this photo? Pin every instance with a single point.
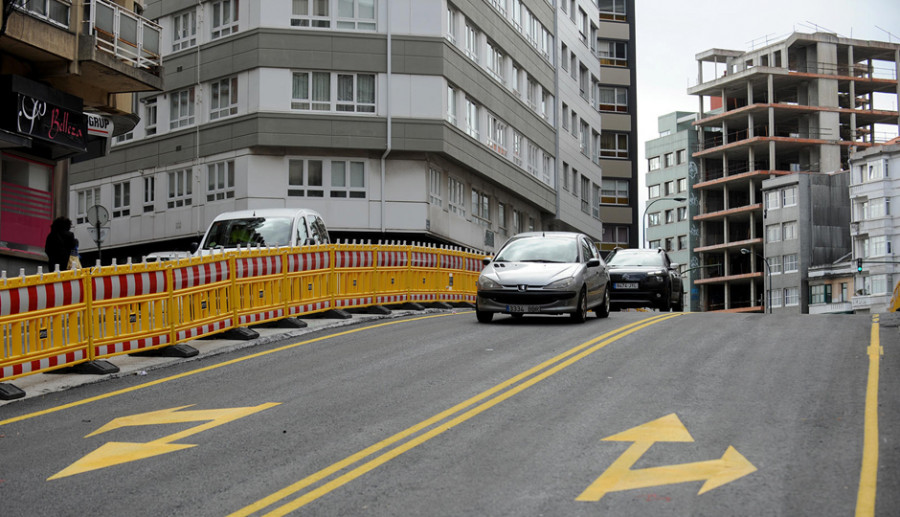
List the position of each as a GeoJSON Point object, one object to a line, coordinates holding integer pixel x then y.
{"type": "Point", "coordinates": [859, 265]}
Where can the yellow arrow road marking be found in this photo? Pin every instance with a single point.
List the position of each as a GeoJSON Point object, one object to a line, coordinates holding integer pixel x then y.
{"type": "Point", "coordinates": [619, 476]}
{"type": "Point", "coordinates": [116, 453]}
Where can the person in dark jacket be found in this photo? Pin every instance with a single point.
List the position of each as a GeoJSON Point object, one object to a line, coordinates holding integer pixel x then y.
{"type": "Point", "coordinates": [60, 243]}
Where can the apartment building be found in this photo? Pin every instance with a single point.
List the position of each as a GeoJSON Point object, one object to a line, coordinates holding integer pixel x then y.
{"type": "Point", "coordinates": [618, 140]}
{"type": "Point", "coordinates": [800, 105]}
{"type": "Point", "coordinates": [671, 201]}
{"type": "Point", "coordinates": [874, 189]}
{"type": "Point", "coordinates": [454, 122]}
{"type": "Point", "coordinates": [66, 70]}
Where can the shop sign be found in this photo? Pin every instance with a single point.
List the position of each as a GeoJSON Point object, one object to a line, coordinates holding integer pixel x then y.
{"type": "Point", "coordinates": [45, 121]}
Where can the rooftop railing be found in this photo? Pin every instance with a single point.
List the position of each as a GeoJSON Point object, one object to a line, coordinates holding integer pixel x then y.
{"type": "Point", "coordinates": [124, 34]}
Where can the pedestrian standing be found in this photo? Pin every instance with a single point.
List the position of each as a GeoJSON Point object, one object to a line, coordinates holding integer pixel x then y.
{"type": "Point", "coordinates": [60, 243]}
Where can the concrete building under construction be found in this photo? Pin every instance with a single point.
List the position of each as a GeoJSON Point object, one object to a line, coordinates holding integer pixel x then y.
{"type": "Point", "coordinates": [798, 106]}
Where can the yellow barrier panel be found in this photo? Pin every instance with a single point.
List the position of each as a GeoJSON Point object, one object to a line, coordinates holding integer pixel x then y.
{"type": "Point", "coordinates": [895, 299]}
{"type": "Point", "coordinates": [459, 272]}
{"type": "Point", "coordinates": [308, 280]}
{"type": "Point", "coordinates": [129, 308]}
{"type": "Point", "coordinates": [391, 274]}
{"type": "Point", "coordinates": [424, 275]}
{"type": "Point", "coordinates": [353, 274]}
{"type": "Point", "coordinates": [259, 286]}
{"type": "Point", "coordinates": [44, 323]}
{"type": "Point", "coordinates": [201, 296]}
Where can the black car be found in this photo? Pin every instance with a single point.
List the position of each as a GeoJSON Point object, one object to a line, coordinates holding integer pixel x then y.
{"type": "Point", "coordinates": [645, 278]}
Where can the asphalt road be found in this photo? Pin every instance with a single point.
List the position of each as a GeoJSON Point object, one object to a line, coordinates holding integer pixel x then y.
{"type": "Point", "coordinates": [437, 415]}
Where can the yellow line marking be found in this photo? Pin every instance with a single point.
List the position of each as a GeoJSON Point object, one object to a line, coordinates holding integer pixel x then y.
{"type": "Point", "coordinates": [213, 367]}
{"type": "Point", "coordinates": [868, 478]}
{"type": "Point", "coordinates": [561, 361]}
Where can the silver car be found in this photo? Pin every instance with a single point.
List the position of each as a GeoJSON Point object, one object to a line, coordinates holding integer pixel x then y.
{"type": "Point", "coordinates": [544, 273]}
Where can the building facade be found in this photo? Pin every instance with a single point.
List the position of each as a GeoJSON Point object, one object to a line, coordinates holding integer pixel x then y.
{"type": "Point", "coordinates": [671, 201]}
{"type": "Point", "coordinates": [66, 72]}
{"type": "Point", "coordinates": [800, 105]}
{"type": "Point", "coordinates": [874, 190]}
{"type": "Point", "coordinates": [452, 122]}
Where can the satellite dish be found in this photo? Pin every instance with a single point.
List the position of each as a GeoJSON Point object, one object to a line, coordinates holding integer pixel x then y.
{"type": "Point", "coordinates": [97, 215]}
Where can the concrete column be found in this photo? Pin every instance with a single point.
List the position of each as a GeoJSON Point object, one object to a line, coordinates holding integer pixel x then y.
{"type": "Point", "coordinates": [897, 77]}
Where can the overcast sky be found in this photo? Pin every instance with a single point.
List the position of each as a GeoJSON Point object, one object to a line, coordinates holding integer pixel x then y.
{"type": "Point", "coordinates": [671, 32]}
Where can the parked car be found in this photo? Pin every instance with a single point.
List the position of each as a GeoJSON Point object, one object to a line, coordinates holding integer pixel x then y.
{"type": "Point", "coordinates": [271, 227]}
{"type": "Point", "coordinates": [645, 278]}
{"type": "Point", "coordinates": [544, 273]}
{"type": "Point", "coordinates": [164, 256]}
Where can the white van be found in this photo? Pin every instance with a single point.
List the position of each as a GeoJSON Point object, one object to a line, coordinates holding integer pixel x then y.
{"type": "Point", "coordinates": [269, 227]}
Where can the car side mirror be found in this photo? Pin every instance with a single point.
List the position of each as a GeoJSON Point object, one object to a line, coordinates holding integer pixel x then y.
{"type": "Point", "coordinates": [593, 262]}
{"type": "Point", "coordinates": [194, 246]}
{"type": "Point", "coordinates": [674, 265]}
{"type": "Point", "coordinates": [486, 260]}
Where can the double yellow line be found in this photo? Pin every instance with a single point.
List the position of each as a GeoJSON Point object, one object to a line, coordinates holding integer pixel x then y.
{"type": "Point", "coordinates": [368, 459]}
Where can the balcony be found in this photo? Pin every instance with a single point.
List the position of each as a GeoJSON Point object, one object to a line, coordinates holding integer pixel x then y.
{"type": "Point", "coordinates": [831, 308]}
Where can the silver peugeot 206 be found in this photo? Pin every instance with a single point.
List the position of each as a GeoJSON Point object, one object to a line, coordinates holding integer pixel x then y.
{"type": "Point", "coordinates": [544, 273]}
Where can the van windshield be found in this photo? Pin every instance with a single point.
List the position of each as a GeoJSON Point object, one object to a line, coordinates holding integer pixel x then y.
{"type": "Point", "coordinates": [254, 231]}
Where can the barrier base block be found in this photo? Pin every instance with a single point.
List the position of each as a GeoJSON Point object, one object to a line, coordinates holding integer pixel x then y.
{"type": "Point", "coordinates": [180, 350]}
{"type": "Point", "coordinates": [409, 306]}
{"type": "Point", "coordinates": [239, 333]}
{"type": "Point", "coordinates": [10, 392]}
{"type": "Point", "coordinates": [439, 305]}
{"type": "Point", "coordinates": [98, 367]}
{"type": "Point", "coordinates": [338, 314]}
{"type": "Point", "coordinates": [380, 310]}
{"type": "Point", "coordinates": [286, 323]}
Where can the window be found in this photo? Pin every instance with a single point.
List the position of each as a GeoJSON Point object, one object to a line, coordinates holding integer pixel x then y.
{"type": "Point", "coordinates": [680, 156]}
{"type": "Point", "coordinates": [305, 178]}
{"type": "Point", "coordinates": [501, 218]}
{"type": "Point", "coordinates": [877, 246]}
{"type": "Point", "coordinates": [615, 235]}
{"type": "Point", "coordinates": [456, 196]}
{"type": "Point", "coordinates": [585, 137]}
{"type": "Point", "coordinates": [516, 83]}
{"type": "Point", "coordinates": [595, 201]}
{"type": "Point", "coordinates": [224, 18]}
{"type": "Point", "coordinates": [565, 117]}
{"type": "Point", "coordinates": [819, 294]}
{"type": "Point", "coordinates": [670, 188]}
{"type": "Point", "coordinates": [669, 244]}
{"type": "Point", "coordinates": [789, 231]}
{"type": "Point", "coordinates": [682, 213]}
{"type": "Point", "coordinates": [682, 185]}
{"type": "Point", "coordinates": [585, 193]}
{"type": "Point", "coordinates": [791, 296]}
{"type": "Point", "coordinates": [613, 53]}
{"type": "Point", "coordinates": [452, 14]}
{"type": "Point", "coordinates": [517, 219]}
{"type": "Point", "coordinates": [495, 62]}
{"type": "Point", "coordinates": [670, 216]}
{"type": "Point", "coordinates": [612, 98]}
{"type": "Point", "coordinates": [583, 80]}
{"type": "Point", "coordinates": [791, 263]}
{"type": "Point", "coordinates": [86, 199]}
{"type": "Point", "coordinates": [682, 242]}
{"type": "Point", "coordinates": [352, 92]}
{"type": "Point", "coordinates": [471, 48]}
{"type": "Point", "coordinates": [670, 159]}
{"type": "Point", "coordinates": [653, 219]}
{"type": "Point", "coordinates": [356, 15]}
{"type": "Point", "coordinates": [654, 244]}
{"type": "Point", "coordinates": [772, 200]}
{"type": "Point", "coordinates": [55, 12]}
{"type": "Point", "coordinates": [518, 148]}
{"type": "Point", "coordinates": [773, 233]}
{"type": "Point", "coordinates": [184, 31]}
{"type": "Point", "coordinates": [574, 124]}
{"type": "Point", "coordinates": [496, 134]}
{"type": "Point", "coordinates": [348, 179]}
{"type": "Point", "coordinates": [654, 163]}
{"type": "Point", "coordinates": [149, 193]}
{"type": "Point", "coordinates": [481, 208]}
{"type": "Point", "coordinates": [472, 118]}
{"type": "Point", "coordinates": [435, 180]}
{"type": "Point", "coordinates": [776, 297]}
{"type": "Point", "coordinates": [150, 112]}
{"type": "Point", "coordinates": [223, 98]}
{"type": "Point", "coordinates": [311, 13]}
{"type": "Point", "coordinates": [614, 145]}
{"type": "Point", "coordinates": [873, 171]}
{"type": "Point", "coordinates": [564, 57]}
{"type": "Point", "coordinates": [181, 112]}
{"type": "Point", "coordinates": [653, 191]}
{"type": "Point", "coordinates": [180, 189]}
{"type": "Point", "coordinates": [612, 10]}
{"type": "Point", "coordinates": [615, 192]}
{"type": "Point", "coordinates": [451, 104]}
{"type": "Point", "coordinates": [789, 196]}
{"type": "Point", "coordinates": [220, 181]}
{"type": "Point", "coordinates": [121, 199]}
{"type": "Point", "coordinates": [878, 284]}
{"type": "Point", "coordinates": [774, 265]}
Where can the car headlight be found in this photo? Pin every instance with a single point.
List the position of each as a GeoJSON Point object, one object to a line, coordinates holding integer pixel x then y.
{"type": "Point", "coordinates": [486, 283]}
{"type": "Point", "coordinates": [564, 283]}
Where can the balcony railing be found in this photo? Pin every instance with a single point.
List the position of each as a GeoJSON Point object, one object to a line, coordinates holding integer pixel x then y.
{"type": "Point", "coordinates": [127, 36]}
{"type": "Point", "coordinates": [831, 308]}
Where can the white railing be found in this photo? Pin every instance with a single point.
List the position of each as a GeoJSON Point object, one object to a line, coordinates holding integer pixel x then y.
{"type": "Point", "coordinates": [830, 308]}
{"type": "Point", "coordinates": [124, 34]}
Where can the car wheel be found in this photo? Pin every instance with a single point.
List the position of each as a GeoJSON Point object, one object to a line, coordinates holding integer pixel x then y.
{"type": "Point", "coordinates": [579, 315]}
{"type": "Point", "coordinates": [679, 305]}
{"type": "Point", "coordinates": [484, 316]}
{"type": "Point", "coordinates": [602, 311]}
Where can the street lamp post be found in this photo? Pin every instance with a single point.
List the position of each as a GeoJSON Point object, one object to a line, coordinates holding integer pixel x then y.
{"type": "Point", "coordinates": [644, 217]}
{"type": "Point", "coordinates": [745, 251]}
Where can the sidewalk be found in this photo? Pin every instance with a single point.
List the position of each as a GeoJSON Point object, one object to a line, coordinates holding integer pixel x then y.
{"type": "Point", "coordinates": [43, 383]}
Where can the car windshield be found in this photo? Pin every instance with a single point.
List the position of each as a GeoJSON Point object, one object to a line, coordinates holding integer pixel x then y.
{"type": "Point", "coordinates": [539, 249]}
{"type": "Point", "coordinates": [256, 231]}
{"type": "Point", "coordinates": [636, 259]}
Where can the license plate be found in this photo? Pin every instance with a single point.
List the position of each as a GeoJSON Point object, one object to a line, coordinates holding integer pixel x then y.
{"type": "Point", "coordinates": [626, 285]}
{"type": "Point", "coordinates": [523, 308]}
